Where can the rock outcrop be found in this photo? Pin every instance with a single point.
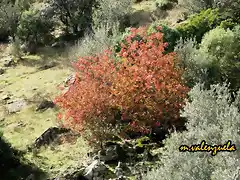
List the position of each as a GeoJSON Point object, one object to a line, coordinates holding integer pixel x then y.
{"type": "Point", "coordinates": [45, 104]}
{"type": "Point", "coordinates": [49, 136]}
{"type": "Point", "coordinates": [118, 160]}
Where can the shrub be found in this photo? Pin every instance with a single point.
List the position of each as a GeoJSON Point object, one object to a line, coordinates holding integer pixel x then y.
{"type": "Point", "coordinates": [186, 52]}
{"type": "Point", "coordinates": [163, 4]}
{"type": "Point", "coordinates": [110, 12]}
{"type": "Point", "coordinates": [228, 24]}
{"type": "Point", "coordinates": [145, 88]}
{"type": "Point", "coordinates": [170, 36]}
{"type": "Point", "coordinates": [196, 6]}
{"type": "Point", "coordinates": [213, 118]}
{"type": "Point", "coordinates": [199, 24]}
{"type": "Point", "coordinates": [93, 44]}
{"type": "Point", "coordinates": [14, 49]}
{"type": "Point", "coordinates": [219, 53]}
{"type": "Point", "coordinates": [216, 60]}
{"type": "Point", "coordinates": [33, 28]}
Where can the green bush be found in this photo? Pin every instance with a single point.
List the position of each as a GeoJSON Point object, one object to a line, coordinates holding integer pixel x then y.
{"type": "Point", "coordinates": [33, 28]}
{"type": "Point", "coordinates": [163, 4]}
{"type": "Point", "coordinates": [219, 53]}
{"type": "Point", "coordinates": [170, 35]}
{"type": "Point", "coordinates": [232, 9]}
{"type": "Point", "coordinates": [216, 60]}
{"type": "Point", "coordinates": [228, 24]}
{"type": "Point", "coordinates": [199, 24]}
{"type": "Point", "coordinates": [211, 117]}
{"type": "Point", "coordinates": [8, 17]}
{"type": "Point", "coordinates": [10, 11]}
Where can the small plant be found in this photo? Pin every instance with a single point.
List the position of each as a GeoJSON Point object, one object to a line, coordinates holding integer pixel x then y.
{"type": "Point", "coordinates": [14, 49]}
{"type": "Point", "coordinates": [186, 52]}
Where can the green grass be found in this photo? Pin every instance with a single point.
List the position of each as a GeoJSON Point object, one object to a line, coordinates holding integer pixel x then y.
{"type": "Point", "coordinates": [22, 128]}
{"type": "Point", "coordinates": [26, 82]}
{"type": "Point", "coordinates": [60, 158]}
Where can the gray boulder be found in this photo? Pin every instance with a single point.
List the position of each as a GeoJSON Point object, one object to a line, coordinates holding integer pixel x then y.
{"type": "Point", "coordinates": [95, 171]}
{"type": "Point", "coordinates": [16, 105]}
{"type": "Point", "coordinates": [45, 104]}
{"type": "Point", "coordinates": [2, 71]}
{"type": "Point", "coordinates": [8, 61]}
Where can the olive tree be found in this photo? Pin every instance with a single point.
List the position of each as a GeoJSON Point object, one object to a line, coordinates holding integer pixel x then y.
{"type": "Point", "coordinates": [75, 15]}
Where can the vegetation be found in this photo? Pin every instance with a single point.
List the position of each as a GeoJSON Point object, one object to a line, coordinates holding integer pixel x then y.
{"type": "Point", "coordinates": [33, 28]}
{"type": "Point", "coordinates": [12, 165]}
{"type": "Point", "coordinates": [199, 24]}
{"type": "Point", "coordinates": [144, 90]}
{"type": "Point", "coordinates": [215, 61]}
{"type": "Point", "coordinates": [207, 112]}
{"type": "Point", "coordinates": [141, 92]}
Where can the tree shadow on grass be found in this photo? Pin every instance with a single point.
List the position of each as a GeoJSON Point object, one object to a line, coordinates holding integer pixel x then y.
{"type": "Point", "coordinates": [13, 166]}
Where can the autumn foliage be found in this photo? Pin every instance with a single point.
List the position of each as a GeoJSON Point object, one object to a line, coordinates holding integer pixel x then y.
{"type": "Point", "coordinates": [144, 87]}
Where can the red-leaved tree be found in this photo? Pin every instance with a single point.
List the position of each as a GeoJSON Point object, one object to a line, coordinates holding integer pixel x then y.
{"type": "Point", "coordinates": [144, 85]}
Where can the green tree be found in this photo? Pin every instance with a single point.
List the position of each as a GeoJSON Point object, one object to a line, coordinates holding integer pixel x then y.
{"type": "Point", "coordinates": [10, 12]}
{"type": "Point", "coordinates": [76, 15]}
{"type": "Point", "coordinates": [33, 28]}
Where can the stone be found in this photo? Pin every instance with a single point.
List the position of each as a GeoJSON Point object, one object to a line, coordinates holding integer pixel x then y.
{"type": "Point", "coordinates": [2, 71]}
{"type": "Point", "coordinates": [180, 20]}
{"type": "Point", "coordinates": [8, 61]}
{"type": "Point", "coordinates": [16, 105]}
{"type": "Point", "coordinates": [16, 126]}
{"type": "Point", "coordinates": [94, 170]}
{"type": "Point", "coordinates": [6, 97]}
{"type": "Point", "coordinates": [110, 154]}
{"type": "Point", "coordinates": [47, 66]}
{"type": "Point", "coordinates": [75, 173]}
{"type": "Point", "coordinates": [49, 136]}
{"type": "Point", "coordinates": [69, 80]}
{"type": "Point", "coordinates": [59, 44]}
{"type": "Point", "coordinates": [119, 171]}
{"type": "Point", "coordinates": [45, 104]}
